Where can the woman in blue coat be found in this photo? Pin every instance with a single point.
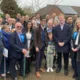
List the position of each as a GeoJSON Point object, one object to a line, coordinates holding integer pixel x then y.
{"type": "Point", "coordinates": [6, 33]}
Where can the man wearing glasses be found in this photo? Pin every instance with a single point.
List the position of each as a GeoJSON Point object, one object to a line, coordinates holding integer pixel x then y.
{"type": "Point", "coordinates": [17, 50]}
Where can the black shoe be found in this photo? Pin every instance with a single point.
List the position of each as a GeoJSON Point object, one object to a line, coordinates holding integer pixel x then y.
{"type": "Point", "coordinates": [75, 76]}
{"type": "Point", "coordinates": [66, 72]}
{"type": "Point", "coordinates": [15, 78]}
{"type": "Point", "coordinates": [21, 75]}
{"type": "Point", "coordinates": [78, 78]}
{"type": "Point", "coordinates": [58, 70]}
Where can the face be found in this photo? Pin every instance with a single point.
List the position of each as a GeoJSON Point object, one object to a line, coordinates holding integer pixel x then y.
{"type": "Point", "coordinates": [50, 24]}
{"type": "Point", "coordinates": [55, 23]}
{"type": "Point", "coordinates": [13, 21]}
{"type": "Point", "coordinates": [7, 16]}
{"type": "Point", "coordinates": [43, 22]}
{"type": "Point", "coordinates": [53, 15]}
{"type": "Point", "coordinates": [26, 17]}
{"type": "Point", "coordinates": [75, 17]}
{"type": "Point", "coordinates": [50, 36]}
{"type": "Point", "coordinates": [34, 24]}
{"type": "Point", "coordinates": [18, 27]}
{"type": "Point", "coordinates": [47, 17]}
{"type": "Point", "coordinates": [69, 20]}
{"type": "Point", "coordinates": [7, 29]}
{"type": "Point", "coordinates": [22, 18]}
{"type": "Point", "coordinates": [61, 19]}
{"type": "Point", "coordinates": [10, 20]}
{"type": "Point", "coordinates": [18, 16]}
{"type": "Point", "coordinates": [29, 25]}
{"type": "Point", "coordinates": [78, 24]}
{"type": "Point", "coordinates": [38, 16]}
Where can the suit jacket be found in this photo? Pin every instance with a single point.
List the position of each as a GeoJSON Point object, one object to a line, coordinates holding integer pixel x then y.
{"type": "Point", "coordinates": [16, 46]}
{"type": "Point", "coordinates": [62, 36]}
{"type": "Point", "coordinates": [74, 36]}
{"type": "Point", "coordinates": [38, 37]}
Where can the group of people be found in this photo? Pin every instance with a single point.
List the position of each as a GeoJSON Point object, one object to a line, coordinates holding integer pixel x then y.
{"type": "Point", "coordinates": [52, 38]}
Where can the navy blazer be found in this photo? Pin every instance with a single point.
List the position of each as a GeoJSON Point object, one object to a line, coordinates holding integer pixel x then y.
{"type": "Point", "coordinates": [62, 36]}
{"type": "Point", "coordinates": [16, 46]}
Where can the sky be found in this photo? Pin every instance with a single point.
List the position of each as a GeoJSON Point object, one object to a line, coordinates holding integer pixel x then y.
{"type": "Point", "coordinates": [36, 4]}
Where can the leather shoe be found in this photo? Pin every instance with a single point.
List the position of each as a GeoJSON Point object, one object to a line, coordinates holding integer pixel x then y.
{"type": "Point", "coordinates": [58, 70]}
{"type": "Point", "coordinates": [75, 76]}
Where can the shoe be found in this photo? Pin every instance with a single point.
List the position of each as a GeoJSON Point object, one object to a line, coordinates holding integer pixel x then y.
{"type": "Point", "coordinates": [75, 76]}
{"type": "Point", "coordinates": [3, 75]}
{"type": "Point", "coordinates": [48, 69]}
{"type": "Point", "coordinates": [21, 74]}
{"type": "Point", "coordinates": [38, 75]}
{"type": "Point", "coordinates": [15, 78]}
{"type": "Point", "coordinates": [58, 70]}
{"type": "Point", "coordinates": [78, 78]}
{"type": "Point", "coordinates": [51, 69]}
{"type": "Point", "coordinates": [66, 72]}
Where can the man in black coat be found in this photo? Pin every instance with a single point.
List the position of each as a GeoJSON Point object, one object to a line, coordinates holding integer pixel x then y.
{"type": "Point", "coordinates": [62, 36]}
{"type": "Point", "coordinates": [17, 49]}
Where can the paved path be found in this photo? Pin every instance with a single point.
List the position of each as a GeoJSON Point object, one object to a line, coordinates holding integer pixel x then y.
{"type": "Point", "coordinates": [48, 76]}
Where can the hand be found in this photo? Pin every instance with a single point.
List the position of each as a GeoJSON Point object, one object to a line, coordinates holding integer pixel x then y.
{"type": "Point", "coordinates": [75, 50]}
{"type": "Point", "coordinates": [37, 49]}
{"type": "Point", "coordinates": [24, 51]}
{"type": "Point", "coordinates": [61, 44]}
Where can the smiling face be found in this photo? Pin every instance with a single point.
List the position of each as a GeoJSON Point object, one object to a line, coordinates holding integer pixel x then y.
{"type": "Point", "coordinates": [69, 20]}
{"type": "Point", "coordinates": [61, 19]}
{"type": "Point", "coordinates": [78, 23]}
{"type": "Point", "coordinates": [29, 25]}
{"type": "Point", "coordinates": [50, 36]}
{"type": "Point", "coordinates": [18, 27]}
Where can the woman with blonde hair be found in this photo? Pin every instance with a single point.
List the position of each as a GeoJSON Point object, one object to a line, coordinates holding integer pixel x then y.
{"type": "Point", "coordinates": [75, 45]}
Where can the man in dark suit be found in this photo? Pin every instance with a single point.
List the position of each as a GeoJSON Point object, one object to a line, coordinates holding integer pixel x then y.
{"type": "Point", "coordinates": [17, 49]}
{"type": "Point", "coordinates": [62, 36]}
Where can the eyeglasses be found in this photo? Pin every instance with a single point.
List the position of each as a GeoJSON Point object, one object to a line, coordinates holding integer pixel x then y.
{"type": "Point", "coordinates": [19, 26]}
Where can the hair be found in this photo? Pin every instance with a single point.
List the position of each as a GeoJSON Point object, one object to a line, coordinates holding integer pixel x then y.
{"type": "Point", "coordinates": [75, 27]}
{"type": "Point", "coordinates": [4, 27]}
{"type": "Point", "coordinates": [69, 17]}
{"type": "Point", "coordinates": [61, 15]}
{"type": "Point", "coordinates": [26, 26]}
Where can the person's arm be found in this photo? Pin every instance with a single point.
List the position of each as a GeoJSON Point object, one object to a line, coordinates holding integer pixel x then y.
{"type": "Point", "coordinates": [68, 38]}
{"type": "Point", "coordinates": [55, 36]}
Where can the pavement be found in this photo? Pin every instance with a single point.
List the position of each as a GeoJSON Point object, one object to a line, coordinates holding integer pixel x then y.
{"type": "Point", "coordinates": [47, 76]}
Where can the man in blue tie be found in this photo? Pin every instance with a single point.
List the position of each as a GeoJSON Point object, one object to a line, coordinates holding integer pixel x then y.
{"type": "Point", "coordinates": [17, 50]}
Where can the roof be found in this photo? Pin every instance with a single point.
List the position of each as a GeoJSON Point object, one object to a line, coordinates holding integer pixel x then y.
{"type": "Point", "coordinates": [77, 9]}
{"type": "Point", "coordinates": [67, 10]}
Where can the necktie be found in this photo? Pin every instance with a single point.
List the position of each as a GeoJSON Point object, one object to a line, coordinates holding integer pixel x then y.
{"type": "Point", "coordinates": [22, 38]}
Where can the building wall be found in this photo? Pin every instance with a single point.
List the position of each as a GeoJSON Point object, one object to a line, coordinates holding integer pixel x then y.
{"type": "Point", "coordinates": [55, 10]}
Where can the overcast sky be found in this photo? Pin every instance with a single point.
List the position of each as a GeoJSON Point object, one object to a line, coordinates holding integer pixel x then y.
{"type": "Point", "coordinates": [42, 3]}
